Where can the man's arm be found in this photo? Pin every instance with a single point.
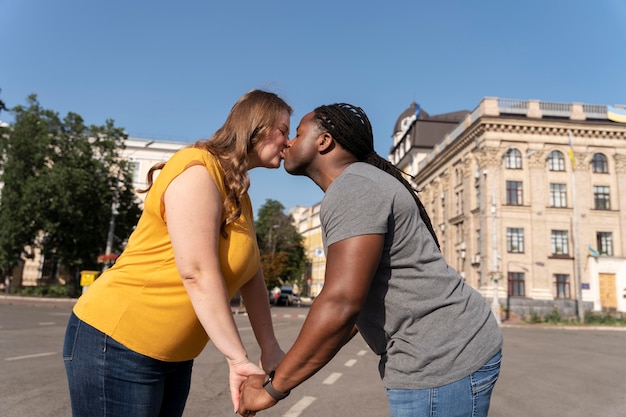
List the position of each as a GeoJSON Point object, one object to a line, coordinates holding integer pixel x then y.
{"type": "Point", "coordinates": [350, 268]}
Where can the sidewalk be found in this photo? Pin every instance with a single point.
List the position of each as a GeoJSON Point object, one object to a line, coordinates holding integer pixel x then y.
{"type": "Point", "coordinates": [17, 299]}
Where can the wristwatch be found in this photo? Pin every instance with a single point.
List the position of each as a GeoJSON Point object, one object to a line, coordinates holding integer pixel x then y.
{"type": "Point", "coordinates": [273, 392]}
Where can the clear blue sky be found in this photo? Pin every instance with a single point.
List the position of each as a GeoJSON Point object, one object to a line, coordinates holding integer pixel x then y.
{"type": "Point", "coordinates": [171, 70]}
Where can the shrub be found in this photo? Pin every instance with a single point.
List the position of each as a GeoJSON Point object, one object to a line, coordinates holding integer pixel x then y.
{"type": "Point", "coordinates": [553, 317]}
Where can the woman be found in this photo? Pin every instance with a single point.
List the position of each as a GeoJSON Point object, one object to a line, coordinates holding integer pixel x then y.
{"type": "Point", "coordinates": [132, 337]}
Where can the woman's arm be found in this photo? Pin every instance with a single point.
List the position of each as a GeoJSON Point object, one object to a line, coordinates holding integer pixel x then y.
{"type": "Point", "coordinates": [193, 208]}
{"type": "Point", "coordinates": [255, 297]}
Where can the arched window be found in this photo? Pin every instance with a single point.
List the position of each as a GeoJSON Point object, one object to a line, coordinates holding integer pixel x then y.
{"type": "Point", "coordinates": [599, 164]}
{"type": "Point", "coordinates": [556, 161]}
{"type": "Point", "coordinates": [513, 159]}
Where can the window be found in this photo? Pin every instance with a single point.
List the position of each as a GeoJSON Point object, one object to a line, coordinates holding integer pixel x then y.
{"type": "Point", "coordinates": [513, 159]}
{"type": "Point", "coordinates": [458, 174]}
{"type": "Point", "coordinates": [561, 282]}
{"type": "Point", "coordinates": [459, 202]}
{"type": "Point", "coordinates": [514, 193]}
{"type": "Point", "coordinates": [514, 240]}
{"type": "Point", "coordinates": [601, 197]}
{"type": "Point", "coordinates": [134, 169]}
{"type": "Point", "coordinates": [558, 195]}
{"type": "Point", "coordinates": [599, 164]}
{"type": "Point", "coordinates": [558, 244]}
{"type": "Point", "coordinates": [516, 284]}
{"type": "Point", "coordinates": [477, 194]}
{"type": "Point", "coordinates": [604, 240]}
{"type": "Point", "coordinates": [556, 161]}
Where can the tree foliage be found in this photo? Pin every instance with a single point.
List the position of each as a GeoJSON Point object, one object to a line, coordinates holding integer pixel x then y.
{"type": "Point", "coordinates": [282, 253]}
{"type": "Point", "coordinates": [61, 180]}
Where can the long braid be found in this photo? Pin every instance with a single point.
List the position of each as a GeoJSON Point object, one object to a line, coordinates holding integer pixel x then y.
{"type": "Point", "coordinates": [388, 167]}
{"type": "Point", "coordinates": [358, 139]}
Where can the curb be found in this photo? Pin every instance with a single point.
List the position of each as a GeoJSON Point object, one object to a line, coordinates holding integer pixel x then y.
{"type": "Point", "coordinates": [36, 300]}
{"type": "Point", "coordinates": [555, 327]}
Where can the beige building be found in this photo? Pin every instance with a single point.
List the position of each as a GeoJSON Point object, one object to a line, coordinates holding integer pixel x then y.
{"type": "Point", "coordinates": [307, 222]}
{"type": "Point", "coordinates": [528, 199]}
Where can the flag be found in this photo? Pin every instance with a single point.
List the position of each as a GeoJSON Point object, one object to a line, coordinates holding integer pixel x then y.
{"type": "Point", "coordinates": [417, 112]}
{"type": "Point", "coordinates": [571, 150]}
{"type": "Point", "coordinates": [593, 252]}
{"type": "Point", "coordinates": [616, 114]}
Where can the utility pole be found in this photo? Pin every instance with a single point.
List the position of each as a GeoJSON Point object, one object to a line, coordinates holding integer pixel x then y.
{"type": "Point", "coordinates": [111, 234]}
{"type": "Point", "coordinates": [495, 304]}
{"type": "Point", "coordinates": [577, 276]}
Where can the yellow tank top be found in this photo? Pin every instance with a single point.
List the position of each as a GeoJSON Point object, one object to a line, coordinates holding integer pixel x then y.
{"type": "Point", "coordinates": [141, 301]}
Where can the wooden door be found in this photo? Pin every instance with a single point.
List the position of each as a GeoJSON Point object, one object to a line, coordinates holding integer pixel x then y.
{"type": "Point", "coordinates": [608, 293]}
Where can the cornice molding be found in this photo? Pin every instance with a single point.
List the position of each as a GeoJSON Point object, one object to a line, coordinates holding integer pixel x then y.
{"type": "Point", "coordinates": [493, 156]}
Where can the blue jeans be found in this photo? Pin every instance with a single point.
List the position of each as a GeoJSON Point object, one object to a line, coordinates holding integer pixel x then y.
{"type": "Point", "coordinates": [107, 379]}
{"type": "Point", "coordinates": [468, 397]}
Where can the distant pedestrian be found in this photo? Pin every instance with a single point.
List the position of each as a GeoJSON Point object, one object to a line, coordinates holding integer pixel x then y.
{"type": "Point", "coordinates": [439, 343]}
{"type": "Point", "coordinates": [132, 337]}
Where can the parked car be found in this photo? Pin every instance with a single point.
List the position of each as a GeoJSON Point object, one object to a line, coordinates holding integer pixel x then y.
{"type": "Point", "coordinates": [274, 294]}
{"type": "Point", "coordinates": [286, 297]}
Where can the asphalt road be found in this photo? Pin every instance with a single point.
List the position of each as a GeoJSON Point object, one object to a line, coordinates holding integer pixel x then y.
{"type": "Point", "coordinates": [546, 372]}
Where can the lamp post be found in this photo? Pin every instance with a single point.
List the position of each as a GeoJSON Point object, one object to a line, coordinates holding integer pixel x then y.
{"type": "Point", "coordinates": [577, 274]}
{"type": "Point", "coordinates": [111, 234]}
{"type": "Point", "coordinates": [495, 303]}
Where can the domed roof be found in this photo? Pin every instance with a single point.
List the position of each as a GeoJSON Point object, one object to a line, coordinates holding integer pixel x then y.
{"type": "Point", "coordinates": [408, 113]}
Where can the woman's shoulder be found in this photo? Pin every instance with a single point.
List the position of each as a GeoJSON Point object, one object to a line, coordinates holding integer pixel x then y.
{"type": "Point", "coordinates": [187, 156]}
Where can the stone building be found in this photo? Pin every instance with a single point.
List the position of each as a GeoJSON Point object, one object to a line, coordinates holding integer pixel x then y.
{"type": "Point", "coordinates": [528, 199]}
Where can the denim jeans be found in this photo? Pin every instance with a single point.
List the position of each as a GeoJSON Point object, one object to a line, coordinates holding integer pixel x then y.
{"type": "Point", "coordinates": [107, 379]}
{"type": "Point", "coordinates": [468, 397]}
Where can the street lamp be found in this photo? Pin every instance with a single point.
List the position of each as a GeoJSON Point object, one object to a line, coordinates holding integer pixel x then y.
{"type": "Point", "coordinates": [495, 273]}
{"type": "Point", "coordinates": [114, 212]}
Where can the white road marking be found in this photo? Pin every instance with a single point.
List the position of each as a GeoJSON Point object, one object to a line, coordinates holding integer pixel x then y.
{"type": "Point", "coordinates": [362, 352]}
{"type": "Point", "coordinates": [36, 355]}
{"type": "Point", "coordinates": [299, 407]}
{"type": "Point", "coordinates": [332, 378]}
{"type": "Point", "coordinates": [46, 323]}
{"type": "Point", "coordinates": [350, 363]}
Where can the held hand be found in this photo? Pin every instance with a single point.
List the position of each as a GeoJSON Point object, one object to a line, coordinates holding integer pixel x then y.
{"type": "Point", "coordinates": [254, 397]}
{"type": "Point", "coordinates": [239, 372]}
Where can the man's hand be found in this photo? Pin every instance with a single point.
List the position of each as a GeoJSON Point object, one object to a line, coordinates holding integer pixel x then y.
{"type": "Point", "coordinates": [253, 396]}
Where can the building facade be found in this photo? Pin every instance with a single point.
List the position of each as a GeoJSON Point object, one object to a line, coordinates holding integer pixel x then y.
{"type": "Point", "coordinates": [529, 201]}
{"type": "Point", "coordinates": [307, 223]}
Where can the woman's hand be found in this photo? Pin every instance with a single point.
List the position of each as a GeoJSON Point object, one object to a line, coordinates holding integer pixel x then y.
{"type": "Point", "coordinates": [270, 358]}
{"type": "Point", "coordinates": [238, 373]}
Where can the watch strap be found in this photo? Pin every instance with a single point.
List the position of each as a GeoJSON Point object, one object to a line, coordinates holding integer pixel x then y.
{"type": "Point", "coordinates": [273, 392]}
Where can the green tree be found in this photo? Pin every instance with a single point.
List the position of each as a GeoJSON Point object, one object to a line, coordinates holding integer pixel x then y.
{"type": "Point", "coordinates": [60, 181]}
{"type": "Point", "coordinates": [282, 253]}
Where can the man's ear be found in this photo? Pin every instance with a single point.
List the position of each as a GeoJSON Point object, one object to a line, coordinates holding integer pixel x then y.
{"type": "Point", "coordinates": [325, 142]}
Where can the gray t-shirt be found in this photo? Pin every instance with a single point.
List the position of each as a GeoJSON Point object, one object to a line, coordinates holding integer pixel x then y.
{"type": "Point", "coordinates": [427, 325]}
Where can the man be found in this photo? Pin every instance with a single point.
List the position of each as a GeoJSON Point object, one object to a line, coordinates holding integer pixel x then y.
{"type": "Point", "coordinates": [439, 344]}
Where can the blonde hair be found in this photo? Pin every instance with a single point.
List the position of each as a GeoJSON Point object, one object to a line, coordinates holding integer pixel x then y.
{"type": "Point", "coordinates": [249, 122]}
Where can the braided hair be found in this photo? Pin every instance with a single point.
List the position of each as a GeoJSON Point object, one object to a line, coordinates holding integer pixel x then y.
{"type": "Point", "coordinates": [351, 128]}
